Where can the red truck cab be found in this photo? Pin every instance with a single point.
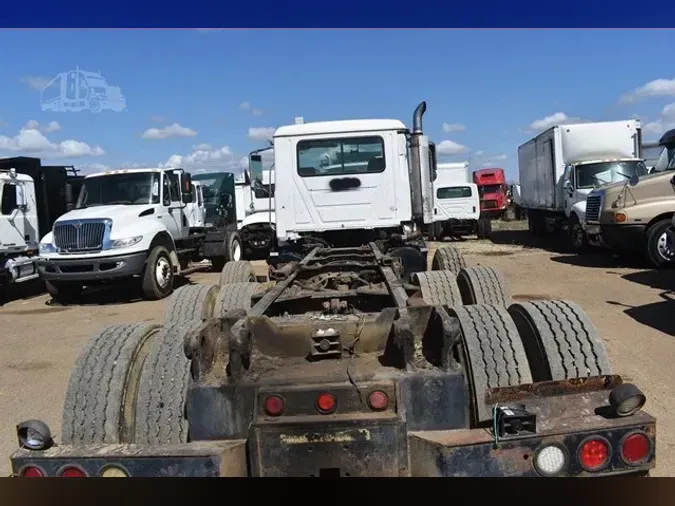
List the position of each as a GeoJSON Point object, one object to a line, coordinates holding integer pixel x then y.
{"type": "Point", "coordinates": [492, 190]}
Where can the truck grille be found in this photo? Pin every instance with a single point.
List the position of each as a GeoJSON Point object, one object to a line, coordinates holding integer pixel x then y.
{"type": "Point", "coordinates": [489, 204]}
{"type": "Point", "coordinates": [593, 204]}
{"type": "Point", "coordinates": [79, 235]}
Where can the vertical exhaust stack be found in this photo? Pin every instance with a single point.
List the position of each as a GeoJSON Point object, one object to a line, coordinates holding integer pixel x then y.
{"type": "Point", "coordinates": [415, 169]}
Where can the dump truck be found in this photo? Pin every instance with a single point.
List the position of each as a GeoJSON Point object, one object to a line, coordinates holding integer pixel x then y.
{"type": "Point", "coordinates": [559, 168]}
{"type": "Point", "coordinates": [348, 360]}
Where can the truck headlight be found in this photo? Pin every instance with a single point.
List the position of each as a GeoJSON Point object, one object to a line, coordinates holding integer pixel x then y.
{"type": "Point", "coordinates": [46, 247]}
{"type": "Point", "coordinates": [125, 243]}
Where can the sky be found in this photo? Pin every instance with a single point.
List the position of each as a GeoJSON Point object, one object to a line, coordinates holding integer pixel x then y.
{"type": "Point", "coordinates": [203, 99]}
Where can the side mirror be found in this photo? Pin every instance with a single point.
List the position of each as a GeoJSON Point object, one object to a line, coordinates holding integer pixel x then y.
{"type": "Point", "coordinates": [20, 196]}
{"type": "Point", "coordinates": [634, 180]}
{"type": "Point", "coordinates": [568, 186]}
{"type": "Point", "coordinates": [255, 165]}
{"type": "Point", "coordinates": [186, 190]}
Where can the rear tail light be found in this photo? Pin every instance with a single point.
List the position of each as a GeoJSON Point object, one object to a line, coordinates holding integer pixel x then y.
{"type": "Point", "coordinates": [73, 472]}
{"type": "Point", "coordinates": [326, 403]}
{"type": "Point", "coordinates": [274, 405]}
{"type": "Point", "coordinates": [378, 401]}
{"type": "Point", "coordinates": [636, 448]}
{"type": "Point", "coordinates": [594, 454]}
{"type": "Point", "coordinates": [32, 472]}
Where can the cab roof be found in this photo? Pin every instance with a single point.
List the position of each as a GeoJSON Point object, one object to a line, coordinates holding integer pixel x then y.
{"type": "Point", "coordinates": [335, 127]}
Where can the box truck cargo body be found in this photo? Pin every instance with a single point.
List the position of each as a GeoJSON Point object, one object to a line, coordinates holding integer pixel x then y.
{"type": "Point", "coordinates": [559, 168]}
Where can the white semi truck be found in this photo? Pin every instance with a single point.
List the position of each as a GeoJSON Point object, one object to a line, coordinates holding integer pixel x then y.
{"type": "Point", "coordinates": [132, 224]}
{"type": "Point", "coordinates": [33, 196]}
{"type": "Point", "coordinates": [559, 167]}
{"type": "Point", "coordinates": [456, 204]}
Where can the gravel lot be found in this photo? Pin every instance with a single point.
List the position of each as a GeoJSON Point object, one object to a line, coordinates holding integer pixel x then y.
{"type": "Point", "coordinates": [630, 305]}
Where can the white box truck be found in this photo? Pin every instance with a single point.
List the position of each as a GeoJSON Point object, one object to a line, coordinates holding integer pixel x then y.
{"type": "Point", "coordinates": [559, 168]}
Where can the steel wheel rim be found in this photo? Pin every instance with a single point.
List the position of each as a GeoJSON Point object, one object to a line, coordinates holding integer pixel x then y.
{"type": "Point", "coordinates": [163, 272]}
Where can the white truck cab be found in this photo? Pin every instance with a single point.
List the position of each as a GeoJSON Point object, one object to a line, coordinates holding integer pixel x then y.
{"type": "Point", "coordinates": [129, 224]}
{"type": "Point", "coordinates": [350, 182]}
{"type": "Point", "coordinates": [456, 203]}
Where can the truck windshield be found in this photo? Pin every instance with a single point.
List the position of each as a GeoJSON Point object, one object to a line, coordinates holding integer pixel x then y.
{"type": "Point", "coordinates": [491, 188]}
{"type": "Point", "coordinates": [453, 192]}
{"type": "Point", "coordinates": [593, 175]}
{"type": "Point", "coordinates": [131, 188]}
{"type": "Point", "coordinates": [666, 160]}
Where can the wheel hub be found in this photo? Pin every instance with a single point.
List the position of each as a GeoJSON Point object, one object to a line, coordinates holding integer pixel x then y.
{"type": "Point", "coordinates": [664, 249]}
{"type": "Point", "coordinates": [163, 272]}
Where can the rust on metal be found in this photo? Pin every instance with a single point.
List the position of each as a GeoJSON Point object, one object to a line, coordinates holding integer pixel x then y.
{"type": "Point", "coordinates": [552, 388]}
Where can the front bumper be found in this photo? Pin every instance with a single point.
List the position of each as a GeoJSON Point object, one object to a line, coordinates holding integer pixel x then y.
{"type": "Point", "coordinates": [91, 269]}
{"type": "Point", "coordinates": [619, 237]}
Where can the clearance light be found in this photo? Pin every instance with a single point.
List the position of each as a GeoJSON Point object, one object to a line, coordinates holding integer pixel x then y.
{"type": "Point", "coordinates": [620, 217]}
{"type": "Point", "coordinates": [326, 403]}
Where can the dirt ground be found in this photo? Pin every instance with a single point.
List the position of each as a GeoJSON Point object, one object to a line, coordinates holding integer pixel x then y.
{"type": "Point", "coordinates": [632, 306]}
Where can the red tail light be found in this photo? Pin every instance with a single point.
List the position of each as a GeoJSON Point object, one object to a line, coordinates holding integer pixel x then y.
{"type": "Point", "coordinates": [32, 472]}
{"type": "Point", "coordinates": [636, 448]}
{"type": "Point", "coordinates": [73, 472]}
{"type": "Point", "coordinates": [274, 405]}
{"type": "Point", "coordinates": [594, 454]}
{"type": "Point", "coordinates": [326, 403]}
{"type": "Point", "coordinates": [378, 401]}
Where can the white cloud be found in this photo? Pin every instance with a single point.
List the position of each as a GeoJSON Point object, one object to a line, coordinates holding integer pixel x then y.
{"type": "Point", "coordinates": [248, 106]}
{"type": "Point", "coordinates": [262, 133]}
{"type": "Point", "coordinates": [36, 82]}
{"type": "Point", "coordinates": [32, 141]}
{"type": "Point", "coordinates": [450, 148]}
{"type": "Point", "coordinates": [203, 157]}
{"type": "Point", "coordinates": [453, 127]}
{"type": "Point", "coordinates": [655, 88]}
{"type": "Point", "coordinates": [174, 130]}
{"type": "Point", "coordinates": [51, 127]}
{"type": "Point", "coordinates": [665, 122]}
{"type": "Point", "coordinates": [557, 118]}
{"type": "Point", "coordinates": [479, 153]}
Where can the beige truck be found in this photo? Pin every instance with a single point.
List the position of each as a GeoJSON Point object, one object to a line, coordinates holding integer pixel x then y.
{"type": "Point", "coordinates": [636, 214]}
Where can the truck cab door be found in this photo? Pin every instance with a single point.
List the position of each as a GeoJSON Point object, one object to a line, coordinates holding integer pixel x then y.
{"type": "Point", "coordinates": [568, 190]}
{"type": "Point", "coordinates": [16, 230]}
{"type": "Point", "coordinates": [171, 212]}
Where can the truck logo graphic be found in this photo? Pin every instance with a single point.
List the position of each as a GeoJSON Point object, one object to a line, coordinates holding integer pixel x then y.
{"type": "Point", "coordinates": [79, 90]}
